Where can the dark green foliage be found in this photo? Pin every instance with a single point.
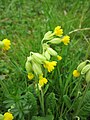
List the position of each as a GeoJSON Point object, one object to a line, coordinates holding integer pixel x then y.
{"type": "Point", "coordinates": [84, 111]}
{"type": "Point", "coordinates": [25, 22]}
{"type": "Point", "coordinates": [31, 103]}
{"type": "Point", "coordinates": [21, 105]}
{"type": "Point", "coordinates": [67, 101]}
{"type": "Point", "coordinates": [50, 103]}
{"type": "Point", "coordinates": [3, 67]}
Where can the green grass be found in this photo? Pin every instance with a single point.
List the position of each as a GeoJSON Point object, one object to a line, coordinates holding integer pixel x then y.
{"type": "Point", "coordinates": [25, 22]}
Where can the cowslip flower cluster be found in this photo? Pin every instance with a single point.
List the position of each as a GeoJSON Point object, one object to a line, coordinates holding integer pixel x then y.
{"type": "Point", "coordinates": [83, 69]}
{"type": "Point", "coordinates": [37, 63]}
{"type": "Point", "coordinates": [5, 44]}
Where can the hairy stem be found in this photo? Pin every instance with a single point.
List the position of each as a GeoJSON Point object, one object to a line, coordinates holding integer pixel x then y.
{"type": "Point", "coordinates": [76, 30]}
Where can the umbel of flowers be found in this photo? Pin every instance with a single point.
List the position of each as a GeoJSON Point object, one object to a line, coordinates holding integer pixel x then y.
{"type": "Point", "coordinates": [83, 69]}
{"type": "Point", "coordinates": [37, 63]}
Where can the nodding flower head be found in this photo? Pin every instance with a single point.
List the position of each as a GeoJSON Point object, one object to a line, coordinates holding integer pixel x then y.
{"type": "Point", "coordinates": [66, 40]}
{"type": "Point", "coordinates": [88, 76]}
{"type": "Point", "coordinates": [39, 58]}
{"type": "Point", "coordinates": [28, 66]}
{"type": "Point", "coordinates": [36, 67]}
{"type": "Point", "coordinates": [76, 73]}
{"type": "Point", "coordinates": [85, 69]}
{"type": "Point", "coordinates": [8, 116]}
{"type": "Point", "coordinates": [81, 66]}
{"type": "Point", "coordinates": [48, 35]}
{"type": "Point", "coordinates": [50, 65]}
{"type": "Point", "coordinates": [55, 41]}
{"type": "Point", "coordinates": [58, 31]}
{"type": "Point", "coordinates": [42, 81]}
{"type": "Point", "coordinates": [51, 51]}
{"type": "Point", "coordinates": [30, 76]}
{"type": "Point", "coordinates": [59, 57]}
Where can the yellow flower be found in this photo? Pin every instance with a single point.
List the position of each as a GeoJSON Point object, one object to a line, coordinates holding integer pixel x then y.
{"type": "Point", "coordinates": [50, 65]}
{"type": "Point", "coordinates": [30, 76]}
{"type": "Point", "coordinates": [7, 44]}
{"type": "Point", "coordinates": [42, 81]}
{"type": "Point", "coordinates": [66, 40]}
{"type": "Point", "coordinates": [59, 57]}
{"type": "Point", "coordinates": [76, 73]}
{"type": "Point", "coordinates": [58, 31]}
{"type": "Point", "coordinates": [8, 116]}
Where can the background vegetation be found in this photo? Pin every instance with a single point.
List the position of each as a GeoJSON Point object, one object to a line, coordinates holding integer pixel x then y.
{"type": "Point", "coordinates": [25, 22]}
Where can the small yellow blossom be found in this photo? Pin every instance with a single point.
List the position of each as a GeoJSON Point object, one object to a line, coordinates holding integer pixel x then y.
{"type": "Point", "coordinates": [76, 73]}
{"type": "Point", "coordinates": [59, 57]}
{"type": "Point", "coordinates": [30, 76]}
{"type": "Point", "coordinates": [50, 65]}
{"type": "Point", "coordinates": [66, 40]}
{"type": "Point", "coordinates": [8, 116]}
{"type": "Point", "coordinates": [7, 44]}
{"type": "Point", "coordinates": [42, 81]}
{"type": "Point", "coordinates": [58, 31]}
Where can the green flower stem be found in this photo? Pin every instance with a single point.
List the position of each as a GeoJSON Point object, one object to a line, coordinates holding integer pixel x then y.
{"type": "Point", "coordinates": [76, 30]}
{"type": "Point", "coordinates": [41, 99]}
{"type": "Point", "coordinates": [62, 108]}
{"type": "Point", "coordinates": [61, 86]}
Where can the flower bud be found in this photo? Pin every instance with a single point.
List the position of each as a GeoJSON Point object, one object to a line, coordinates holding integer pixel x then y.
{"type": "Point", "coordinates": [85, 69]}
{"type": "Point", "coordinates": [48, 35]}
{"type": "Point", "coordinates": [29, 58]}
{"type": "Point", "coordinates": [52, 52]}
{"type": "Point", "coordinates": [81, 65]}
{"type": "Point", "coordinates": [55, 41]}
{"type": "Point", "coordinates": [58, 31]}
{"type": "Point", "coordinates": [45, 46]}
{"type": "Point", "coordinates": [88, 76]}
{"type": "Point", "coordinates": [47, 55]}
{"type": "Point", "coordinates": [39, 58]}
{"type": "Point", "coordinates": [30, 76]}
{"type": "Point", "coordinates": [66, 40]}
{"type": "Point", "coordinates": [36, 68]}
{"type": "Point", "coordinates": [59, 57]}
{"type": "Point", "coordinates": [76, 73]}
{"type": "Point", "coordinates": [28, 67]}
